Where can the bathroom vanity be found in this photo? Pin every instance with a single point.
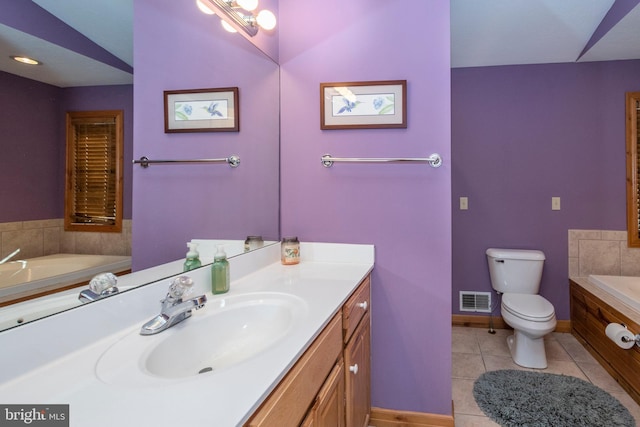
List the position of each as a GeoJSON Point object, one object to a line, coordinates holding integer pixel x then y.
{"type": "Point", "coordinates": [292, 341]}
{"type": "Point", "coordinates": [335, 369]}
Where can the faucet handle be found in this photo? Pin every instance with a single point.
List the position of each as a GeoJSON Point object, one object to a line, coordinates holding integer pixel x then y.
{"type": "Point", "coordinates": [181, 287]}
{"type": "Point", "coordinates": [103, 282]}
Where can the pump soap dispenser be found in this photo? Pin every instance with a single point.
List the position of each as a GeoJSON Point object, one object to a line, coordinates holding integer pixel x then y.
{"type": "Point", "coordinates": [220, 272]}
{"type": "Point", "coordinates": [193, 257]}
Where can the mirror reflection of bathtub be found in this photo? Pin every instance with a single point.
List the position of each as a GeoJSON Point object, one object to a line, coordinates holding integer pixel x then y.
{"type": "Point", "coordinates": [25, 278]}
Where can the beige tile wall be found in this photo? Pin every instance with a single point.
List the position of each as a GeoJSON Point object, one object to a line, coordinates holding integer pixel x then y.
{"type": "Point", "coordinates": [47, 237]}
{"type": "Point", "coordinates": [602, 252]}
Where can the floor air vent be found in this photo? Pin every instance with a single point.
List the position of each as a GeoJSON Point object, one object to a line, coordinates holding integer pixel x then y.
{"type": "Point", "coordinates": [475, 301]}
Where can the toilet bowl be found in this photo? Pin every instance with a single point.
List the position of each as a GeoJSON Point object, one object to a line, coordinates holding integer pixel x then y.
{"type": "Point", "coordinates": [516, 275]}
{"type": "Point", "coordinates": [531, 317]}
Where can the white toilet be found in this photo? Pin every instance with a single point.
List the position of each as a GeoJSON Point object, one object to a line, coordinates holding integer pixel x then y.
{"type": "Point", "coordinates": [516, 274]}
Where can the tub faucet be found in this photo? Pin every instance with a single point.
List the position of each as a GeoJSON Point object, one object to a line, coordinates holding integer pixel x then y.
{"type": "Point", "coordinates": [175, 308]}
{"type": "Point", "coordinates": [100, 286]}
{"type": "Point", "coordinates": [8, 257]}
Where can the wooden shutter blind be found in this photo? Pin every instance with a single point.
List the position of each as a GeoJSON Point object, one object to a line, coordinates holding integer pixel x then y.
{"type": "Point", "coordinates": [94, 164]}
{"type": "Point", "coordinates": [637, 142]}
{"type": "Point", "coordinates": [632, 112]}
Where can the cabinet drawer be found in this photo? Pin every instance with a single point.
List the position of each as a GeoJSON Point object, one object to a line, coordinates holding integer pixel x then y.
{"type": "Point", "coordinates": [290, 401]}
{"type": "Point", "coordinates": [356, 307]}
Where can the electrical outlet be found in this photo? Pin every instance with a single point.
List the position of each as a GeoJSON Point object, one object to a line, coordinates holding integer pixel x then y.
{"type": "Point", "coordinates": [555, 203]}
{"type": "Point", "coordinates": [464, 203]}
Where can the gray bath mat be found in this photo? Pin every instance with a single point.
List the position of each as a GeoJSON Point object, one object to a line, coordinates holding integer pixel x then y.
{"type": "Point", "coordinates": [535, 399]}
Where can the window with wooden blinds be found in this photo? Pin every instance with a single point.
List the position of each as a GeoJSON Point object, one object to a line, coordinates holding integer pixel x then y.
{"type": "Point", "coordinates": [637, 189]}
{"type": "Point", "coordinates": [93, 197]}
{"type": "Point", "coordinates": [633, 169]}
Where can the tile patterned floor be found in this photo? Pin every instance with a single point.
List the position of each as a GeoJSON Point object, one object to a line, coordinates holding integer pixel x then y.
{"type": "Point", "coordinates": [475, 351]}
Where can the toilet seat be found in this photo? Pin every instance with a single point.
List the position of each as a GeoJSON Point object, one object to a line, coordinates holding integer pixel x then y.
{"type": "Point", "coordinates": [528, 307]}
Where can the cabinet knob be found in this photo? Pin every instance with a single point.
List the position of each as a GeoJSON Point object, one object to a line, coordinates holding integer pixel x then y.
{"type": "Point", "coordinates": [363, 305]}
{"type": "Point", "coordinates": [354, 368]}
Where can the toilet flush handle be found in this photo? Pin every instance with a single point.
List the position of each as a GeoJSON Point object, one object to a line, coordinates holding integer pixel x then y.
{"type": "Point", "coordinates": [499, 260]}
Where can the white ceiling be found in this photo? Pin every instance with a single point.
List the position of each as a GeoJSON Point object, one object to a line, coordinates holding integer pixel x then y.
{"type": "Point", "coordinates": [483, 33]}
{"type": "Point", "coordinates": [622, 42]}
{"type": "Point", "coordinates": [509, 32]}
{"type": "Point", "coordinates": [110, 27]}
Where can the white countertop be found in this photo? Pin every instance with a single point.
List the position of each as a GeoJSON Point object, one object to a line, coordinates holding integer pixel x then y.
{"type": "Point", "coordinates": [53, 361]}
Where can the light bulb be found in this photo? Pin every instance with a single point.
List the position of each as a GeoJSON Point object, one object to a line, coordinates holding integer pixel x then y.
{"type": "Point", "coordinates": [247, 4]}
{"type": "Point", "coordinates": [26, 60]}
{"type": "Point", "coordinates": [227, 26]}
{"type": "Point", "coordinates": [204, 8]}
{"type": "Point", "coordinates": [266, 19]}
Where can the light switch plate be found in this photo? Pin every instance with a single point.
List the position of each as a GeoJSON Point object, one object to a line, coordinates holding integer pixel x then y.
{"type": "Point", "coordinates": [555, 203]}
{"type": "Point", "coordinates": [464, 203]}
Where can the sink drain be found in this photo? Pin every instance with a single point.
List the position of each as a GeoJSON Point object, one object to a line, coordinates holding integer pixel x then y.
{"type": "Point", "coordinates": [207, 369]}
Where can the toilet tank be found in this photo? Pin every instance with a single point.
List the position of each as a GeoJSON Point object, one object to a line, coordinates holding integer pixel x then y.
{"type": "Point", "coordinates": [515, 270]}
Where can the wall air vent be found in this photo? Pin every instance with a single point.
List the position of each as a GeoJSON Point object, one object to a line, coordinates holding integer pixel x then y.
{"type": "Point", "coordinates": [475, 301]}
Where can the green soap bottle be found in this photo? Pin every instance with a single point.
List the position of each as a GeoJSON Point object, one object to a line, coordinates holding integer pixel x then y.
{"type": "Point", "coordinates": [193, 257]}
{"type": "Point", "coordinates": [220, 272]}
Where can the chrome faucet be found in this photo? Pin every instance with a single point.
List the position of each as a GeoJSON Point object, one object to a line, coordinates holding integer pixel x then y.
{"type": "Point", "coordinates": [8, 257]}
{"type": "Point", "coordinates": [100, 286]}
{"type": "Point", "coordinates": [174, 308]}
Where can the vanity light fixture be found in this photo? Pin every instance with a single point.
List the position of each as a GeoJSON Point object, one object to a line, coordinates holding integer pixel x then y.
{"type": "Point", "coordinates": [239, 13]}
{"type": "Point", "coordinates": [26, 60]}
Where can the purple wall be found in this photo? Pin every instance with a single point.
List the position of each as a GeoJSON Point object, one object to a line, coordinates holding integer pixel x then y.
{"type": "Point", "coordinates": [521, 135]}
{"type": "Point", "coordinates": [405, 210]}
{"type": "Point", "coordinates": [32, 181]}
{"type": "Point", "coordinates": [178, 47]}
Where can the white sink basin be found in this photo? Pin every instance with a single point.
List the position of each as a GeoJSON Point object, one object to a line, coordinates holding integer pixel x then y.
{"type": "Point", "coordinates": [225, 333]}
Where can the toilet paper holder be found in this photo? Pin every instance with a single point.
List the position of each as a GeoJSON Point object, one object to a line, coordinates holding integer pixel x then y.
{"type": "Point", "coordinates": [636, 337]}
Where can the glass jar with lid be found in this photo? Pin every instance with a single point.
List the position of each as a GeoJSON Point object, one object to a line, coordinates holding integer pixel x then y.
{"type": "Point", "coordinates": [290, 250]}
{"type": "Point", "coordinates": [253, 242]}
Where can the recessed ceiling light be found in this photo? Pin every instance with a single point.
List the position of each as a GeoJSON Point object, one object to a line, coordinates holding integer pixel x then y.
{"type": "Point", "coordinates": [26, 60]}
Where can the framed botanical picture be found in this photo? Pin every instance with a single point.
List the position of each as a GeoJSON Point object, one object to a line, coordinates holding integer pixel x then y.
{"type": "Point", "coordinates": [201, 110]}
{"type": "Point", "coordinates": [363, 105]}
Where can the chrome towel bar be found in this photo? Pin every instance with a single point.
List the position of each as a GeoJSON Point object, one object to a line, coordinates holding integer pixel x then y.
{"type": "Point", "coordinates": [434, 160]}
{"type": "Point", "coordinates": [233, 161]}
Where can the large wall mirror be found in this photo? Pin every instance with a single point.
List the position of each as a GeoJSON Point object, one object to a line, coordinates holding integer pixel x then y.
{"type": "Point", "coordinates": [96, 73]}
{"type": "Point", "coordinates": [633, 169]}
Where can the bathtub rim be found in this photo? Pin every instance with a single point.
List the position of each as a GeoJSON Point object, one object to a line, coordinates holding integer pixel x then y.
{"type": "Point", "coordinates": [611, 284]}
{"type": "Point", "coordinates": [607, 297]}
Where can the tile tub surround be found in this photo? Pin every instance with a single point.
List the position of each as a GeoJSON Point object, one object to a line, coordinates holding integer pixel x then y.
{"type": "Point", "coordinates": [69, 359]}
{"type": "Point", "coordinates": [602, 252]}
{"type": "Point", "coordinates": [48, 237]}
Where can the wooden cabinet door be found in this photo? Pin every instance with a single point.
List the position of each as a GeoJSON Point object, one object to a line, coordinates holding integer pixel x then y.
{"type": "Point", "coordinates": [289, 403]}
{"type": "Point", "coordinates": [358, 376]}
{"type": "Point", "coordinates": [330, 404]}
{"type": "Point", "coordinates": [310, 419]}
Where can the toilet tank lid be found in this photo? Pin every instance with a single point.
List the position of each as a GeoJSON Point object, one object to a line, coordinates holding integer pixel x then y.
{"type": "Point", "coordinates": [525, 254]}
